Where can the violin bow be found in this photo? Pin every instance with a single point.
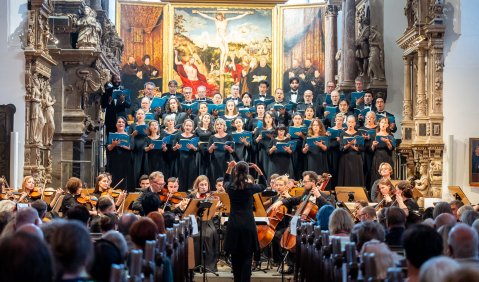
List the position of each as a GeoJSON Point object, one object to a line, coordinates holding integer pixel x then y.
{"type": "Point", "coordinates": [119, 182]}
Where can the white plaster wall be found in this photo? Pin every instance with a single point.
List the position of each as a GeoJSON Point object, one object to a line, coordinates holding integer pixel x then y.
{"type": "Point", "coordinates": [12, 75]}
{"type": "Point", "coordinates": [461, 97]}
{"type": "Point", "coordinates": [394, 25]}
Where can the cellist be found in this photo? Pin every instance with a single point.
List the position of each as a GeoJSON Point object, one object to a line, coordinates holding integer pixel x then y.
{"type": "Point", "coordinates": [282, 189]}
{"type": "Point", "coordinates": [310, 184]}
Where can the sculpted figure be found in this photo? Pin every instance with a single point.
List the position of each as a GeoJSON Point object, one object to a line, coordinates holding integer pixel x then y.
{"type": "Point", "coordinates": [90, 29]}
{"type": "Point", "coordinates": [48, 113]}
{"type": "Point", "coordinates": [36, 115]}
{"type": "Point", "coordinates": [376, 59]}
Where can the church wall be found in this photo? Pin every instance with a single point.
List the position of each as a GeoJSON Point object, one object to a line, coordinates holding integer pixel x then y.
{"type": "Point", "coordinates": [461, 99]}
{"type": "Point", "coordinates": [394, 25]}
{"type": "Point", "coordinates": [12, 78]}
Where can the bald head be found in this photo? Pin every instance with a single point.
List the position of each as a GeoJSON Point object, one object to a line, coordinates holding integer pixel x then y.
{"type": "Point", "coordinates": [445, 219]}
{"type": "Point", "coordinates": [125, 222]}
{"type": "Point", "coordinates": [463, 241]}
{"type": "Point", "coordinates": [31, 229]}
{"type": "Point", "coordinates": [26, 216]}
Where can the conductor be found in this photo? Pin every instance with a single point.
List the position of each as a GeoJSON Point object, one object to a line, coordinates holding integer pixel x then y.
{"type": "Point", "coordinates": [241, 235]}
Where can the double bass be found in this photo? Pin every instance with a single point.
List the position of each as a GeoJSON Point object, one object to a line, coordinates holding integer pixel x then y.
{"type": "Point", "coordinates": [306, 211]}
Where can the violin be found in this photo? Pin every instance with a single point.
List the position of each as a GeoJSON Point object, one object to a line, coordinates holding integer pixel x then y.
{"type": "Point", "coordinates": [111, 192]}
{"type": "Point", "coordinates": [85, 199]}
{"type": "Point", "coordinates": [174, 198]}
{"type": "Point", "coordinates": [36, 193]}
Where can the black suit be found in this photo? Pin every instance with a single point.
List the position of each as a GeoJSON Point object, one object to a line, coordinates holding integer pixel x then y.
{"type": "Point", "coordinates": [299, 97]}
{"type": "Point", "coordinates": [266, 97]}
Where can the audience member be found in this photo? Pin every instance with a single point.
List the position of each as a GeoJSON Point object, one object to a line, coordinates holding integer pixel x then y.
{"type": "Point", "coordinates": [455, 205]}
{"type": "Point", "coordinates": [384, 257]}
{"type": "Point", "coordinates": [340, 223]}
{"type": "Point", "coordinates": [125, 223]}
{"type": "Point", "coordinates": [468, 217]}
{"type": "Point", "coordinates": [444, 219]}
{"type": "Point", "coordinates": [366, 231]}
{"type": "Point", "coordinates": [367, 214]}
{"type": "Point", "coordinates": [118, 240]}
{"type": "Point", "coordinates": [436, 269]}
{"type": "Point", "coordinates": [72, 250]}
{"type": "Point", "coordinates": [323, 215]}
{"type": "Point", "coordinates": [31, 229]}
{"type": "Point", "coordinates": [420, 243]}
{"type": "Point", "coordinates": [159, 221]}
{"type": "Point", "coordinates": [441, 207]}
{"type": "Point", "coordinates": [106, 254]}
{"type": "Point", "coordinates": [25, 257]}
{"type": "Point", "coordinates": [463, 244]}
{"type": "Point", "coordinates": [396, 224]}
{"type": "Point", "coordinates": [143, 230]}
{"type": "Point", "coordinates": [79, 213]}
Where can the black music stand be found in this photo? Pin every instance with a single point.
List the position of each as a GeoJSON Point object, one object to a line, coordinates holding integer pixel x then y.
{"type": "Point", "coordinates": [350, 194]}
{"type": "Point", "coordinates": [201, 208]}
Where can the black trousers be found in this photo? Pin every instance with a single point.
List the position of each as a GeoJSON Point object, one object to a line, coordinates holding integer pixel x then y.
{"type": "Point", "coordinates": [241, 264]}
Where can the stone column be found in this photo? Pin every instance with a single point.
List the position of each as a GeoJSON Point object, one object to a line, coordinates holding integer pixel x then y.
{"type": "Point", "coordinates": [348, 58]}
{"type": "Point", "coordinates": [407, 101]}
{"type": "Point", "coordinates": [421, 83]}
{"type": "Point", "coordinates": [331, 43]}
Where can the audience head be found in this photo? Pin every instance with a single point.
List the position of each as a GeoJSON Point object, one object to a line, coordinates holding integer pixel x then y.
{"type": "Point", "coordinates": [455, 205]}
{"type": "Point", "coordinates": [441, 207]}
{"type": "Point", "coordinates": [80, 213]}
{"type": "Point", "coordinates": [31, 229]}
{"type": "Point", "coordinates": [395, 217]}
{"type": "Point", "coordinates": [108, 221]}
{"type": "Point", "coordinates": [445, 219]}
{"type": "Point", "coordinates": [125, 223]}
{"type": "Point", "coordinates": [106, 254]}
{"type": "Point", "coordinates": [143, 230]}
{"type": "Point", "coordinates": [367, 214]}
{"type": "Point", "coordinates": [444, 232]}
{"type": "Point", "coordinates": [475, 225]}
{"type": "Point", "coordinates": [159, 221]}
{"type": "Point", "coordinates": [463, 241]}
{"type": "Point", "coordinates": [25, 257]}
{"type": "Point", "coordinates": [421, 243]}
{"type": "Point", "coordinates": [41, 207]}
{"type": "Point", "coordinates": [384, 257]}
{"type": "Point", "coordinates": [26, 216]}
{"type": "Point", "coordinates": [366, 231]}
{"type": "Point", "coordinates": [72, 249]}
{"type": "Point", "coordinates": [468, 217]}
{"type": "Point", "coordinates": [436, 269]}
{"type": "Point", "coordinates": [462, 210]}
{"type": "Point", "coordinates": [118, 240]}
{"type": "Point", "coordinates": [5, 217]}
{"type": "Point", "coordinates": [340, 223]}
{"type": "Point", "coordinates": [463, 274]}
{"type": "Point", "coordinates": [169, 218]}
{"type": "Point", "coordinates": [8, 205]}
{"type": "Point", "coordinates": [150, 203]}
{"type": "Point", "coordinates": [323, 216]}
{"type": "Point", "coordinates": [106, 205]}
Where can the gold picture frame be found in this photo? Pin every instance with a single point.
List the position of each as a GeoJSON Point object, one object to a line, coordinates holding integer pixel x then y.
{"type": "Point", "coordinates": [199, 37]}
{"type": "Point", "coordinates": [301, 39]}
{"type": "Point", "coordinates": [473, 161]}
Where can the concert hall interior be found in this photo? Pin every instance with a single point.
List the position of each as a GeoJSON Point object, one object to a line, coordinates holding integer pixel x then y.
{"type": "Point", "coordinates": [226, 140]}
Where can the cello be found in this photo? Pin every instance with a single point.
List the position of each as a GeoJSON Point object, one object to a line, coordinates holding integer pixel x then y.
{"type": "Point", "coordinates": [306, 211]}
{"type": "Point", "coordinates": [266, 232]}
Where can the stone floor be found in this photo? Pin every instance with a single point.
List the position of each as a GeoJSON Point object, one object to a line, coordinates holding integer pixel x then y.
{"type": "Point", "coordinates": [225, 274]}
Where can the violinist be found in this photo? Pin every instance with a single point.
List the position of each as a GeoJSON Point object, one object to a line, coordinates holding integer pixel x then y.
{"type": "Point", "coordinates": [157, 182]}
{"type": "Point", "coordinates": [310, 182]}
{"type": "Point", "coordinates": [201, 190]}
{"type": "Point", "coordinates": [412, 213]}
{"type": "Point", "coordinates": [28, 187]}
{"type": "Point", "coordinates": [102, 188]}
{"type": "Point", "coordinates": [73, 196]}
{"type": "Point", "coordinates": [388, 197]}
{"type": "Point", "coordinates": [173, 202]}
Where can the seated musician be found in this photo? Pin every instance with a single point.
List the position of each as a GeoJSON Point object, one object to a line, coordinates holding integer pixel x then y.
{"type": "Point", "coordinates": [73, 188]}
{"type": "Point", "coordinates": [219, 187]}
{"type": "Point", "coordinates": [201, 190]}
{"type": "Point", "coordinates": [310, 181]}
{"type": "Point", "coordinates": [282, 189]}
{"type": "Point", "coordinates": [413, 214]}
{"type": "Point", "coordinates": [102, 188]}
{"type": "Point", "coordinates": [173, 187]}
{"type": "Point", "coordinates": [388, 197]}
{"type": "Point", "coordinates": [157, 182]}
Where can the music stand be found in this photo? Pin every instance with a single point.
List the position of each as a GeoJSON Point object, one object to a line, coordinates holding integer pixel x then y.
{"type": "Point", "coordinates": [204, 210]}
{"type": "Point", "coordinates": [416, 194]}
{"type": "Point", "coordinates": [225, 200]}
{"type": "Point", "coordinates": [350, 194]}
{"type": "Point", "coordinates": [130, 198]}
{"type": "Point", "coordinates": [458, 194]}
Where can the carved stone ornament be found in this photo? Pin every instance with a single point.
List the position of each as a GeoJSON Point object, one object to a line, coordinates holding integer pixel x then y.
{"type": "Point", "coordinates": [376, 55]}
{"type": "Point", "coordinates": [89, 30]}
{"type": "Point", "coordinates": [421, 105]}
{"type": "Point", "coordinates": [407, 110]}
{"type": "Point", "coordinates": [438, 63]}
{"type": "Point", "coordinates": [438, 83]}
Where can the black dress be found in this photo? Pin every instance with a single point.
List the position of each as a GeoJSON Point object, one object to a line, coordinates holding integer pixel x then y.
{"type": "Point", "coordinates": [154, 158]}
{"type": "Point", "coordinates": [279, 162]}
{"type": "Point", "coordinates": [261, 151]}
{"type": "Point", "coordinates": [119, 164]}
{"type": "Point", "coordinates": [334, 155]}
{"type": "Point", "coordinates": [316, 159]}
{"type": "Point", "coordinates": [170, 156]}
{"type": "Point", "coordinates": [382, 154]}
{"type": "Point", "coordinates": [186, 165]}
{"type": "Point", "coordinates": [368, 159]}
{"type": "Point", "coordinates": [218, 159]}
{"type": "Point", "coordinates": [298, 160]}
{"type": "Point", "coordinates": [242, 151]}
{"type": "Point", "coordinates": [204, 155]}
{"type": "Point", "coordinates": [241, 235]}
{"type": "Point", "coordinates": [137, 145]}
{"type": "Point", "coordinates": [350, 172]}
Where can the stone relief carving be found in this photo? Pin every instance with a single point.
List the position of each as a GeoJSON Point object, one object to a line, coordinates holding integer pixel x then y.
{"type": "Point", "coordinates": [376, 55]}
{"type": "Point", "coordinates": [37, 119]}
{"type": "Point", "coordinates": [48, 112]}
{"type": "Point", "coordinates": [438, 83]}
{"type": "Point", "coordinates": [409, 12]}
{"type": "Point", "coordinates": [423, 183]}
{"type": "Point", "coordinates": [362, 41]}
{"type": "Point", "coordinates": [89, 29]}
{"type": "Point", "coordinates": [438, 63]}
{"type": "Point", "coordinates": [421, 105]}
{"type": "Point", "coordinates": [407, 110]}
